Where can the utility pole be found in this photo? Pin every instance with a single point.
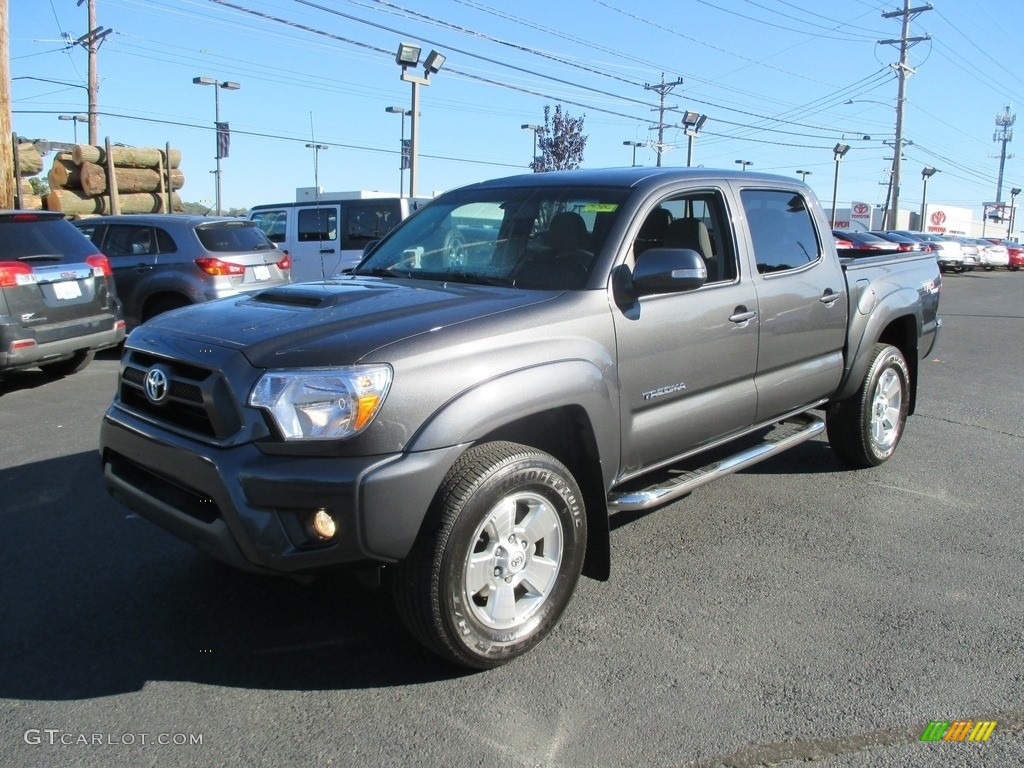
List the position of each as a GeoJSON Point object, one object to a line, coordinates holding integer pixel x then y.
{"type": "Point", "coordinates": [663, 89]}
{"type": "Point", "coordinates": [1004, 135]}
{"type": "Point", "coordinates": [903, 71]}
{"type": "Point", "coordinates": [7, 148]}
{"type": "Point", "coordinates": [91, 41]}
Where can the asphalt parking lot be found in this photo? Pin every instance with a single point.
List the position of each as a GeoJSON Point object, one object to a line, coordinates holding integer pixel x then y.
{"type": "Point", "coordinates": [796, 611]}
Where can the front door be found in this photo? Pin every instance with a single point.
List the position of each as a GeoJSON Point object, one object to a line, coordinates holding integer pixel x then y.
{"type": "Point", "coordinates": [687, 360]}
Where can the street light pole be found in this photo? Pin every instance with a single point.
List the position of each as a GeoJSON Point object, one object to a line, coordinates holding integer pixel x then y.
{"type": "Point", "coordinates": [404, 162]}
{"type": "Point", "coordinates": [634, 145]}
{"type": "Point", "coordinates": [409, 56]}
{"type": "Point", "coordinates": [1013, 210]}
{"type": "Point", "coordinates": [804, 175]}
{"type": "Point", "coordinates": [316, 164]}
{"type": "Point", "coordinates": [926, 173]}
{"type": "Point", "coordinates": [217, 85]}
{"type": "Point", "coordinates": [744, 163]}
{"type": "Point", "coordinates": [837, 154]}
{"type": "Point", "coordinates": [536, 129]}
{"type": "Point", "coordinates": [692, 123]}
{"type": "Point", "coordinates": [75, 119]}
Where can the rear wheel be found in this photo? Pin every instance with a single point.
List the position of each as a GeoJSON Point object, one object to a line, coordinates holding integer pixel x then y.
{"type": "Point", "coordinates": [865, 429]}
{"type": "Point", "coordinates": [490, 578]}
{"type": "Point", "coordinates": [73, 364]}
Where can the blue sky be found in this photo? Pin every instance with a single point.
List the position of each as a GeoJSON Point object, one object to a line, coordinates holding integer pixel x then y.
{"type": "Point", "coordinates": [773, 76]}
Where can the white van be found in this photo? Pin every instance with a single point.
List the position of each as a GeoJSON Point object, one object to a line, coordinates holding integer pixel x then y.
{"type": "Point", "coordinates": [325, 233]}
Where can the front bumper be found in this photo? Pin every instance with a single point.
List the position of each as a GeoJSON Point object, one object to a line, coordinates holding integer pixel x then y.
{"type": "Point", "coordinates": [250, 509]}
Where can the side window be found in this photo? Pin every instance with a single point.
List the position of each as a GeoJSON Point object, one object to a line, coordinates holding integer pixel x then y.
{"type": "Point", "coordinates": [318, 225]}
{"type": "Point", "coordinates": [92, 232]}
{"type": "Point", "coordinates": [697, 221]}
{"type": "Point", "coordinates": [273, 224]}
{"type": "Point", "coordinates": [129, 240]}
{"type": "Point", "coordinates": [366, 222]}
{"type": "Point", "coordinates": [781, 230]}
{"type": "Point", "coordinates": [164, 242]}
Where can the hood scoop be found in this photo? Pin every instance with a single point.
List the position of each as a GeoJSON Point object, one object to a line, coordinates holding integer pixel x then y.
{"type": "Point", "coordinates": [289, 297]}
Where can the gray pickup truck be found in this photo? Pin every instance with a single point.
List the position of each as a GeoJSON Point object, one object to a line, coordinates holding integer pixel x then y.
{"type": "Point", "coordinates": [509, 367]}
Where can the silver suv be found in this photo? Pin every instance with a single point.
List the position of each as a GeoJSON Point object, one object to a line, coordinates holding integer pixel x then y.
{"type": "Point", "coordinates": [57, 299]}
{"type": "Point", "coordinates": [165, 261]}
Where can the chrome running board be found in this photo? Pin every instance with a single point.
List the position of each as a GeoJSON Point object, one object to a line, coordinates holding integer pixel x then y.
{"type": "Point", "coordinates": [782, 437]}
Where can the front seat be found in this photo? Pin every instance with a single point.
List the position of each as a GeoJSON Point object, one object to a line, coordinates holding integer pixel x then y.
{"type": "Point", "coordinates": [567, 232]}
{"type": "Point", "coordinates": [693, 234]}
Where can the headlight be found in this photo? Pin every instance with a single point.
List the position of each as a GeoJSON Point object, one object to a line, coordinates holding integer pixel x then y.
{"type": "Point", "coordinates": [322, 403]}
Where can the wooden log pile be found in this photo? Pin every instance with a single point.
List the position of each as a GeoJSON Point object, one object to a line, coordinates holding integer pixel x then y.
{"type": "Point", "coordinates": [87, 181]}
{"type": "Point", "coordinates": [30, 162]}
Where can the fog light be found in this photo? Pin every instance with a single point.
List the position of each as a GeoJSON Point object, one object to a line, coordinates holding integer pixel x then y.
{"type": "Point", "coordinates": [323, 524]}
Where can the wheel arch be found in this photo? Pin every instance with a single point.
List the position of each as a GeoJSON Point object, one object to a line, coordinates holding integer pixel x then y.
{"type": "Point", "coordinates": [894, 321]}
{"type": "Point", "coordinates": [157, 297]}
{"type": "Point", "coordinates": [566, 409]}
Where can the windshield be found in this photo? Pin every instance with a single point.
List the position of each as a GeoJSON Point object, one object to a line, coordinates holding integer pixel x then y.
{"type": "Point", "coordinates": [541, 238]}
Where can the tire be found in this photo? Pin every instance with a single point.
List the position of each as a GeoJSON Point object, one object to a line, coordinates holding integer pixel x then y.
{"type": "Point", "coordinates": [1014, 268]}
{"type": "Point", "coordinates": [73, 364]}
{"type": "Point", "coordinates": [865, 429]}
{"type": "Point", "coordinates": [498, 561]}
{"type": "Point", "coordinates": [454, 250]}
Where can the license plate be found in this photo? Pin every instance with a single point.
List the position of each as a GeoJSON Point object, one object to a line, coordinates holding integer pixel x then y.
{"type": "Point", "coordinates": [69, 289]}
{"type": "Point", "coordinates": [261, 272]}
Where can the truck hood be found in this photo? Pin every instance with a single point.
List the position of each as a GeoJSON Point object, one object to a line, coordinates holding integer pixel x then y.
{"type": "Point", "coordinates": [336, 322]}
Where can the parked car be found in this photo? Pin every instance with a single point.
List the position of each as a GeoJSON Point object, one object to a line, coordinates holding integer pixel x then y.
{"type": "Point", "coordinates": [58, 305]}
{"type": "Point", "coordinates": [166, 261]}
{"type": "Point", "coordinates": [860, 243]}
{"type": "Point", "coordinates": [970, 250]}
{"type": "Point", "coordinates": [948, 250]}
{"type": "Point", "coordinates": [992, 254]}
{"type": "Point", "coordinates": [1015, 253]}
{"type": "Point", "coordinates": [328, 233]}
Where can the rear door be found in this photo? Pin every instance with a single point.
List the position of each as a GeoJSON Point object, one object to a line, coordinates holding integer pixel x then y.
{"type": "Point", "coordinates": [802, 301]}
{"type": "Point", "coordinates": [364, 222]}
{"type": "Point", "coordinates": [132, 250]}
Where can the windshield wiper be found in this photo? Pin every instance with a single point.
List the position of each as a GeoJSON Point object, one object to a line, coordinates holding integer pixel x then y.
{"type": "Point", "coordinates": [474, 277]}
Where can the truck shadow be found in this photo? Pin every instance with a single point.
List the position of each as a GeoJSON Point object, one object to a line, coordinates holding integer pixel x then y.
{"type": "Point", "coordinates": [94, 602]}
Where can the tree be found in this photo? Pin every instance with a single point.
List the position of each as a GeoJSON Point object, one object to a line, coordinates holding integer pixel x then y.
{"type": "Point", "coordinates": [39, 187]}
{"type": "Point", "coordinates": [560, 143]}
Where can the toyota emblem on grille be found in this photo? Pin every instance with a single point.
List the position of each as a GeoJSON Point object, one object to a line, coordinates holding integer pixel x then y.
{"type": "Point", "coordinates": [157, 385]}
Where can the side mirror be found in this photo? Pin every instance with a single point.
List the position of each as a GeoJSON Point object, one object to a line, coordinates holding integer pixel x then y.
{"type": "Point", "coordinates": [668, 270]}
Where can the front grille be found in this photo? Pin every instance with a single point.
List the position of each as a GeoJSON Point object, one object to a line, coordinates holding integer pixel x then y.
{"type": "Point", "coordinates": [198, 400]}
{"type": "Point", "coordinates": [180, 497]}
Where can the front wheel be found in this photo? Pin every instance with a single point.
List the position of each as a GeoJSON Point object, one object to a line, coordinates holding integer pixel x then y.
{"type": "Point", "coordinates": [865, 429]}
{"type": "Point", "coordinates": [77, 362]}
{"type": "Point", "coordinates": [491, 574]}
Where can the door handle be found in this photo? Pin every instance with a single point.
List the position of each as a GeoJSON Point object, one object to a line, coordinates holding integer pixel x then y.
{"type": "Point", "coordinates": [741, 315]}
{"type": "Point", "coordinates": [828, 297]}
{"type": "Point", "coordinates": [143, 268]}
{"type": "Point", "coordinates": [326, 250]}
